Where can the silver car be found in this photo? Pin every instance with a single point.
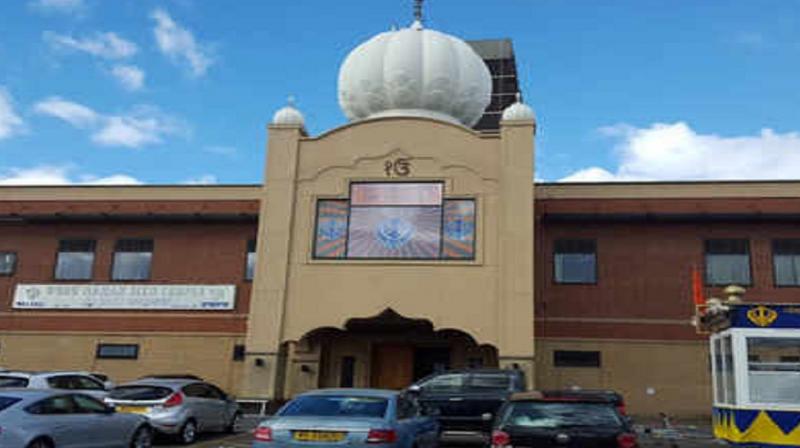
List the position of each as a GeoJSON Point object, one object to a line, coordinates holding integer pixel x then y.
{"type": "Point", "coordinates": [72, 381]}
{"type": "Point", "coordinates": [182, 407]}
{"type": "Point", "coordinates": [37, 418]}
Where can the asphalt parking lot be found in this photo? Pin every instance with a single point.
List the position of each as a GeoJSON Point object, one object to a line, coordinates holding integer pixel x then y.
{"type": "Point", "coordinates": [678, 438]}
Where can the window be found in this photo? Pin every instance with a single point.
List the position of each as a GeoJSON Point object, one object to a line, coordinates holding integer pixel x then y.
{"type": "Point", "coordinates": [250, 265]}
{"type": "Point", "coordinates": [62, 404]}
{"type": "Point", "coordinates": [727, 262]}
{"type": "Point", "coordinates": [574, 358]}
{"type": "Point", "coordinates": [8, 263]}
{"type": "Point", "coordinates": [406, 409]}
{"type": "Point", "coordinates": [347, 371]}
{"type": "Point", "coordinates": [117, 351]}
{"type": "Point", "coordinates": [74, 382]}
{"type": "Point", "coordinates": [13, 381]}
{"type": "Point", "coordinates": [396, 220]}
{"type": "Point", "coordinates": [786, 262]}
{"type": "Point", "coordinates": [238, 352]}
{"type": "Point", "coordinates": [132, 259]}
{"type": "Point", "coordinates": [85, 404]}
{"type": "Point", "coordinates": [75, 259]}
{"type": "Point", "coordinates": [575, 261]}
{"type": "Point", "coordinates": [775, 377]}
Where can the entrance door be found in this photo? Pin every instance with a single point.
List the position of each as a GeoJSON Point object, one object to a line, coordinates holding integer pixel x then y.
{"type": "Point", "coordinates": [392, 366]}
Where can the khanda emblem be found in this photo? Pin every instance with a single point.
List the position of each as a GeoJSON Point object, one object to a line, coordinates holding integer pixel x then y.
{"type": "Point", "coordinates": [762, 316]}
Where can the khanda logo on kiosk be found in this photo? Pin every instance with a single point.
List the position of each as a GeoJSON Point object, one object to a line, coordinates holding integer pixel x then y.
{"type": "Point", "coordinates": [762, 316]}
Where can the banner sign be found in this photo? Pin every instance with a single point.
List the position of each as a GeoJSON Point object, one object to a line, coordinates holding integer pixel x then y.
{"type": "Point", "coordinates": [125, 297]}
{"type": "Point", "coordinates": [754, 315]}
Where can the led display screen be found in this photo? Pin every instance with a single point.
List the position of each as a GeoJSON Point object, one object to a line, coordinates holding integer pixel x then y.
{"type": "Point", "coordinates": [394, 232]}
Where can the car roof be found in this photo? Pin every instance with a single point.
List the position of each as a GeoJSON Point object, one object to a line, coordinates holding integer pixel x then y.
{"type": "Point", "coordinates": [536, 395]}
{"type": "Point", "coordinates": [359, 392]}
{"type": "Point", "coordinates": [161, 382]}
{"type": "Point", "coordinates": [31, 374]}
{"type": "Point", "coordinates": [31, 394]}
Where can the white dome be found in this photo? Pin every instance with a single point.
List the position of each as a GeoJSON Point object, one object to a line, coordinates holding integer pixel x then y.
{"type": "Point", "coordinates": [518, 112]}
{"type": "Point", "coordinates": [415, 72]}
{"type": "Point", "coordinates": [289, 116]}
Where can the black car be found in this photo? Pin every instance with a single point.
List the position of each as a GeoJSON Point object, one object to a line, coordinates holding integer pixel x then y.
{"type": "Point", "coordinates": [466, 401]}
{"type": "Point", "coordinates": [534, 420]}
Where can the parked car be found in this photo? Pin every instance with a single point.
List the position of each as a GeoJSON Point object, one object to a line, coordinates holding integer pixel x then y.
{"type": "Point", "coordinates": [107, 383]}
{"type": "Point", "coordinates": [466, 400]}
{"type": "Point", "coordinates": [532, 419]}
{"type": "Point", "coordinates": [355, 417]}
{"type": "Point", "coordinates": [37, 418]}
{"type": "Point", "coordinates": [74, 381]}
{"type": "Point", "coordinates": [179, 407]}
{"type": "Point", "coordinates": [608, 396]}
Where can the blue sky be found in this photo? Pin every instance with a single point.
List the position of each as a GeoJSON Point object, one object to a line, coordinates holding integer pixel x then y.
{"type": "Point", "coordinates": [181, 91]}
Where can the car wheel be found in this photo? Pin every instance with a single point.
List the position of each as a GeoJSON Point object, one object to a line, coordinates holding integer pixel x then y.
{"type": "Point", "coordinates": [188, 433]}
{"type": "Point", "coordinates": [235, 423]}
{"type": "Point", "coordinates": [40, 443]}
{"type": "Point", "coordinates": [142, 438]}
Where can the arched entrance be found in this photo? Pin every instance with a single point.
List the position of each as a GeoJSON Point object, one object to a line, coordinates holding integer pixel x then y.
{"type": "Point", "coordinates": [386, 351]}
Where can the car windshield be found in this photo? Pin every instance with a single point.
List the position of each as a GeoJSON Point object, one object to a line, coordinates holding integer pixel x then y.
{"type": "Point", "coordinates": [336, 406]}
{"type": "Point", "coordinates": [13, 381]}
{"type": "Point", "coordinates": [537, 414]}
{"type": "Point", "coordinates": [6, 402]}
{"type": "Point", "coordinates": [139, 393]}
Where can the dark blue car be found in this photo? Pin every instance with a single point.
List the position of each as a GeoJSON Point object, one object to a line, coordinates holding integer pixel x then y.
{"type": "Point", "coordinates": [352, 417]}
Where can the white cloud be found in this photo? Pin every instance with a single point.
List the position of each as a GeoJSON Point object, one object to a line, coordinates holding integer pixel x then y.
{"type": "Point", "coordinates": [103, 45]}
{"type": "Point", "coordinates": [130, 77]}
{"type": "Point", "coordinates": [68, 6]}
{"type": "Point", "coordinates": [59, 175]}
{"type": "Point", "coordinates": [73, 113]}
{"type": "Point", "coordinates": [179, 43]}
{"type": "Point", "coordinates": [206, 179]}
{"type": "Point", "coordinates": [10, 123]}
{"type": "Point", "coordinates": [677, 152]}
{"type": "Point", "coordinates": [144, 125]}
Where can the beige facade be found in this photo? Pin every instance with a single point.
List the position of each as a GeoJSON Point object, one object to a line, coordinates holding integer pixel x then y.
{"type": "Point", "coordinates": [671, 377]}
{"type": "Point", "coordinates": [490, 298]}
{"type": "Point", "coordinates": [205, 355]}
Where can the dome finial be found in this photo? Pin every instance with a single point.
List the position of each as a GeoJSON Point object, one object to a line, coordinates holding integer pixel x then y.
{"type": "Point", "coordinates": [418, 10]}
{"type": "Point", "coordinates": [289, 115]}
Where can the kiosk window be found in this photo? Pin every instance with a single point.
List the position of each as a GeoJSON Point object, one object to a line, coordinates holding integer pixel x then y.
{"type": "Point", "coordinates": [775, 376]}
{"type": "Point", "coordinates": [727, 262]}
{"type": "Point", "coordinates": [575, 261]}
{"type": "Point", "coordinates": [786, 262]}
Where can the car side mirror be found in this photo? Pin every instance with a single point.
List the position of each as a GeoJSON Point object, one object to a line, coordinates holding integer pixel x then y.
{"type": "Point", "coordinates": [486, 416]}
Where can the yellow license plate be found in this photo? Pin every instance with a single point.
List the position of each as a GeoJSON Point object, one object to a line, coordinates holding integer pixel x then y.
{"type": "Point", "coordinates": [318, 436]}
{"type": "Point", "coordinates": [133, 409]}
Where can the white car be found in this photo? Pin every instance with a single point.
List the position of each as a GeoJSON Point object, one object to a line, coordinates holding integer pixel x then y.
{"type": "Point", "coordinates": [74, 381]}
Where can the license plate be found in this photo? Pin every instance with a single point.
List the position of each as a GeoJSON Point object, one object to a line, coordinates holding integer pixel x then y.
{"type": "Point", "coordinates": [318, 436]}
{"type": "Point", "coordinates": [133, 409]}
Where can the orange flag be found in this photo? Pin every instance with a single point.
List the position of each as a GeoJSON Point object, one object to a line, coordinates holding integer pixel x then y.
{"type": "Point", "coordinates": [697, 287]}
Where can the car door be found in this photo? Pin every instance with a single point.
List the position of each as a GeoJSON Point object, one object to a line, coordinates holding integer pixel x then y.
{"type": "Point", "coordinates": [105, 429]}
{"type": "Point", "coordinates": [56, 417]}
{"type": "Point", "coordinates": [218, 407]}
{"type": "Point", "coordinates": [424, 427]}
{"type": "Point", "coordinates": [196, 400]}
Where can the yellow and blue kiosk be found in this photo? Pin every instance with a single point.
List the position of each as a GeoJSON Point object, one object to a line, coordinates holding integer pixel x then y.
{"type": "Point", "coordinates": [755, 363]}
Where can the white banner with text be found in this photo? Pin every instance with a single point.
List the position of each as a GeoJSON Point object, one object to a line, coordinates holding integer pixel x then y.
{"type": "Point", "coordinates": [125, 297]}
